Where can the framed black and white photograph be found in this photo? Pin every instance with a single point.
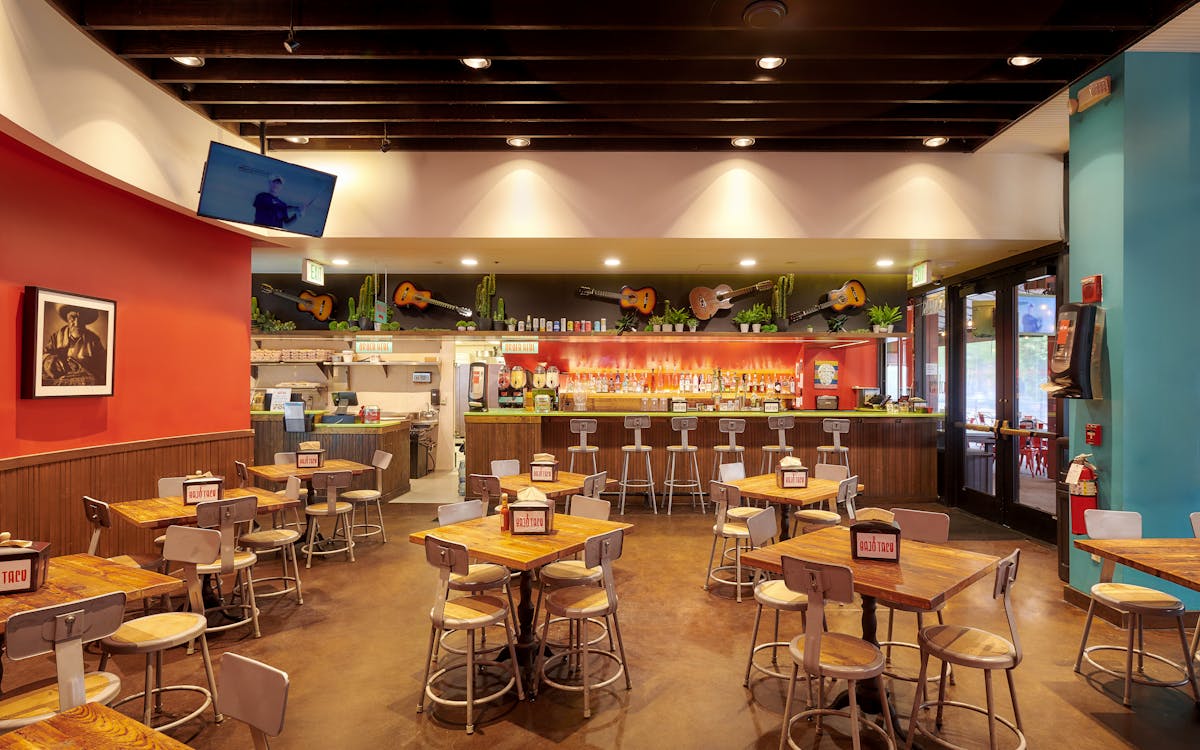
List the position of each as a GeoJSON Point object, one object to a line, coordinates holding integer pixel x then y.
{"type": "Point", "coordinates": [68, 344]}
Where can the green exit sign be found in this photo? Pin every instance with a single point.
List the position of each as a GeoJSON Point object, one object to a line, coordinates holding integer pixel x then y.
{"type": "Point", "coordinates": [313, 272]}
{"type": "Point", "coordinates": [920, 274]}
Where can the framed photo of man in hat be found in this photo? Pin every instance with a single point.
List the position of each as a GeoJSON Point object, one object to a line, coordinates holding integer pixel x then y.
{"type": "Point", "coordinates": [68, 344]}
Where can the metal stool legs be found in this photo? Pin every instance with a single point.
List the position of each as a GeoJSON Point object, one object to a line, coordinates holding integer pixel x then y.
{"type": "Point", "coordinates": [693, 485]}
{"type": "Point", "coordinates": [647, 483]}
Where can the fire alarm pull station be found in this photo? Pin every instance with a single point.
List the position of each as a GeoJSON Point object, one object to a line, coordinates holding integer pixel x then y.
{"type": "Point", "coordinates": [1093, 434]}
{"type": "Point", "coordinates": [1075, 359]}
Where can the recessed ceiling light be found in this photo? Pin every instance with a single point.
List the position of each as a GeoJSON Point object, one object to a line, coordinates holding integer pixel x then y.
{"type": "Point", "coordinates": [301, 139]}
{"type": "Point", "coordinates": [771, 63]}
{"type": "Point", "coordinates": [742, 141]}
{"type": "Point", "coordinates": [885, 262]}
{"type": "Point", "coordinates": [518, 142]}
{"type": "Point", "coordinates": [612, 261]}
{"type": "Point", "coordinates": [747, 262]}
{"type": "Point", "coordinates": [935, 141]}
{"type": "Point", "coordinates": [340, 262]}
{"type": "Point", "coordinates": [1022, 61]}
{"type": "Point", "coordinates": [470, 262]}
{"type": "Point", "coordinates": [476, 63]}
{"type": "Point", "coordinates": [189, 61]}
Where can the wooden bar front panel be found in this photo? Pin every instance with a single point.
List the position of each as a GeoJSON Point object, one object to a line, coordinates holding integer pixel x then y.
{"type": "Point", "coordinates": [508, 436]}
{"type": "Point", "coordinates": [352, 443]}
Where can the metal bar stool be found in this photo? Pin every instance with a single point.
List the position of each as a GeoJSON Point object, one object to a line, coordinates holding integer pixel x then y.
{"type": "Point", "coordinates": [769, 452]}
{"type": "Point", "coordinates": [726, 497]}
{"type": "Point", "coordinates": [331, 482]}
{"type": "Point", "coordinates": [730, 427]}
{"type": "Point", "coordinates": [637, 423]}
{"type": "Point", "coordinates": [836, 453]}
{"type": "Point", "coordinates": [282, 539]}
{"type": "Point", "coordinates": [381, 460]}
{"type": "Point", "coordinates": [684, 425]}
{"type": "Point", "coordinates": [583, 428]}
{"type": "Point", "coordinates": [1134, 603]}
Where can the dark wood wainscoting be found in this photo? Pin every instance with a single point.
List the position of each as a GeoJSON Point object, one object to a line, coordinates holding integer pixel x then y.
{"type": "Point", "coordinates": [40, 494]}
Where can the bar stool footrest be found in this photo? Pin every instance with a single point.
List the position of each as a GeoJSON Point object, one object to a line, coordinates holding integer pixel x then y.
{"type": "Point", "coordinates": [578, 654]}
{"type": "Point", "coordinates": [920, 729]}
{"type": "Point", "coordinates": [862, 720]}
{"type": "Point", "coordinates": [208, 701]}
{"type": "Point", "coordinates": [501, 643]}
{"type": "Point", "coordinates": [770, 645]}
{"type": "Point", "coordinates": [887, 671]}
{"type": "Point", "coordinates": [433, 678]}
{"type": "Point", "coordinates": [1139, 678]}
{"type": "Point", "coordinates": [564, 644]}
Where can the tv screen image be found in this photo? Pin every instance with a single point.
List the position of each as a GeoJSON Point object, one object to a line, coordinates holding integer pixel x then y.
{"type": "Point", "coordinates": [249, 188]}
{"type": "Point", "coordinates": [1036, 314]}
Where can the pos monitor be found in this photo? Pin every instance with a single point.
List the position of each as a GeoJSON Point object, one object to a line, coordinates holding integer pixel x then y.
{"type": "Point", "coordinates": [342, 400]}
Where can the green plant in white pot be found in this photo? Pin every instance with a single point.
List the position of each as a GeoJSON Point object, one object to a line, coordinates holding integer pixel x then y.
{"type": "Point", "coordinates": [884, 317]}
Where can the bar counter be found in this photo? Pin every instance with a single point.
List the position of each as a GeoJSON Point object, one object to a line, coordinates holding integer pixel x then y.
{"type": "Point", "coordinates": [894, 455]}
{"type": "Point", "coordinates": [356, 442]}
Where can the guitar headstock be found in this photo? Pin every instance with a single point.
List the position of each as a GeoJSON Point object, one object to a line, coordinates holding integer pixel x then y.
{"type": "Point", "coordinates": [267, 288]}
{"type": "Point", "coordinates": [585, 291]}
{"type": "Point", "coordinates": [764, 286]}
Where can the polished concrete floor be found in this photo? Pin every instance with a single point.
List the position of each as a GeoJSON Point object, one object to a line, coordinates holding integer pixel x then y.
{"type": "Point", "coordinates": [355, 652]}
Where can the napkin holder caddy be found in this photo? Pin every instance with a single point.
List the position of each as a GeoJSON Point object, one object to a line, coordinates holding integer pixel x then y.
{"type": "Point", "coordinates": [791, 478]}
{"type": "Point", "coordinates": [23, 569]}
{"type": "Point", "coordinates": [310, 459]}
{"type": "Point", "coordinates": [543, 471]}
{"type": "Point", "coordinates": [531, 517]}
{"type": "Point", "coordinates": [202, 489]}
{"type": "Point", "coordinates": [875, 540]}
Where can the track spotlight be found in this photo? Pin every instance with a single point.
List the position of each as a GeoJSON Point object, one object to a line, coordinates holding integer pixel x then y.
{"type": "Point", "coordinates": [290, 44]}
{"type": "Point", "coordinates": [386, 144]}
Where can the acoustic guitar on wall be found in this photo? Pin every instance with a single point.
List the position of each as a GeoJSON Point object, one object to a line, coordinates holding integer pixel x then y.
{"type": "Point", "coordinates": [643, 300]}
{"type": "Point", "coordinates": [706, 302]}
{"type": "Point", "coordinates": [320, 306]}
{"type": "Point", "coordinates": [851, 295]}
{"type": "Point", "coordinates": [408, 294]}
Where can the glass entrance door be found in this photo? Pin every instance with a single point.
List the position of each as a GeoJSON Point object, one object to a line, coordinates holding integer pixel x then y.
{"type": "Point", "coordinates": [1003, 456]}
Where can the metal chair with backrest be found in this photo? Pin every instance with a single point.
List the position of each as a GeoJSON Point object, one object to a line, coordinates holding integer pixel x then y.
{"type": "Point", "coordinates": [255, 694]}
{"type": "Point", "coordinates": [972, 648]}
{"type": "Point", "coordinates": [774, 594]}
{"type": "Point", "coordinates": [381, 460]}
{"type": "Point", "coordinates": [329, 482]}
{"type": "Point", "coordinates": [1134, 603]}
{"type": "Point", "coordinates": [732, 472]}
{"type": "Point", "coordinates": [827, 654]}
{"type": "Point", "coordinates": [595, 484]}
{"type": "Point", "coordinates": [573, 572]}
{"type": "Point", "coordinates": [480, 577]}
{"type": "Point", "coordinates": [289, 457]}
{"type": "Point", "coordinates": [811, 519]}
{"type": "Point", "coordinates": [637, 423]}
{"type": "Point", "coordinates": [691, 481]}
{"type": "Point", "coordinates": [232, 517]}
{"type": "Point", "coordinates": [282, 539]}
{"type": "Point", "coordinates": [99, 516]}
{"type": "Point", "coordinates": [243, 476]}
{"type": "Point", "coordinates": [61, 629]}
{"type": "Point", "coordinates": [732, 428]}
{"type": "Point", "coordinates": [583, 603]}
{"type": "Point", "coordinates": [837, 428]}
{"type": "Point", "coordinates": [168, 487]}
{"type": "Point", "coordinates": [506, 467]}
{"type": "Point", "coordinates": [781, 424]}
{"type": "Point", "coordinates": [153, 634]}
{"type": "Point", "coordinates": [919, 526]}
{"type": "Point", "coordinates": [726, 496]}
{"type": "Point", "coordinates": [467, 614]}
{"type": "Point", "coordinates": [486, 487]}
{"type": "Point", "coordinates": [583, 428]}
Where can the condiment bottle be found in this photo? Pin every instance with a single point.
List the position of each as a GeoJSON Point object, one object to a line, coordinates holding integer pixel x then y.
{"type": "Point", "coordinates": [504, 512]}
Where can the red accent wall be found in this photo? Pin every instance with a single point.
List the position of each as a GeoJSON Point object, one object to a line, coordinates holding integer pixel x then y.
{"type": "Point", "coordinates": [182, 322]}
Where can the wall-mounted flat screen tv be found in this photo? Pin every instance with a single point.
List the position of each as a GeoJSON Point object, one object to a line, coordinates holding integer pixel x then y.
{"type": "Point", "coordinates": [1037, 313]}
{"type": "Point", "coordinates": [249, 188]}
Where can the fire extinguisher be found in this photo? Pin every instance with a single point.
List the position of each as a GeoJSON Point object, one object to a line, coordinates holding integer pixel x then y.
{"type": "Point", "coordinates": [1084, 492]}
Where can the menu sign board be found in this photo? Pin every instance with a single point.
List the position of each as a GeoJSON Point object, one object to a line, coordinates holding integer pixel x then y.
{"type": "Point", "coordinates": [544, 471]}
{"type": "Point", "coordinates": [203, 489]}
{"type": "Point", "coordinates": [875, 540]}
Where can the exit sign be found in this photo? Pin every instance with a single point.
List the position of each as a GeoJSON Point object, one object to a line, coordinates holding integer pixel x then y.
{"type": "Point", "coordinates": [920, 274]}
{"type": "Point", "coordinates": [313, 272]}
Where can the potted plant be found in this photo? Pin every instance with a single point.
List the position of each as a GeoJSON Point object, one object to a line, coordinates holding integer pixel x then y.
{"type": "Point", "coordinates": [783, 287]}
{"type": "Point", "coordinates": [884, 317]}
{"type": "Point", "coordinates": [742, 319]}
{"type": "Point", "coordinates": [692, 323]}
{"type": "Point", "coordinates": [655, 323]}
{"type": "Point", "coordinates": [759, 315]}
{"type": "Point", "coordinates": [769, 328]}
{"type": "Point", "coordinates": [484, 291]}
{"type": "Point", "coordinates": [511, 324]}
{"type": "Point", "coordinates": [499, 319]}
{"type": "Point", "coordinates": [675, 317]}
{"type": "Point", "coordinates": [465, 325]}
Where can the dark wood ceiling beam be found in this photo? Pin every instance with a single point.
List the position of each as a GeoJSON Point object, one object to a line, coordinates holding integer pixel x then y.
{"type": "Point", "coordinates": [334, 116]}
{"type": "Point", "coordinates": [617, 14]}
{"type": "Point", "coordinates": [1017, 93]}
{"type": "Point", "coordinates": [631, 144]}
{"type": "Point", "coordinates": [583, 45]}
{"type": "Point", "coordinates": [451, 72]}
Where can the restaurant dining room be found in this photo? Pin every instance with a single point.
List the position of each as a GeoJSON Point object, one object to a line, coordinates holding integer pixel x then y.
{"type": "Point", "coordinates": [744, 374]}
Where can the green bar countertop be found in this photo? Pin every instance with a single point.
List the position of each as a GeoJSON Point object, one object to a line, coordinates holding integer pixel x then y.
{"type": "Point", "coordinates": [867, 414]}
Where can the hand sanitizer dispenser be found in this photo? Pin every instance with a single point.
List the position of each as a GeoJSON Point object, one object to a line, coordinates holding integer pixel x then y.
{"type": "Point", "coordinates": [1075, 360]}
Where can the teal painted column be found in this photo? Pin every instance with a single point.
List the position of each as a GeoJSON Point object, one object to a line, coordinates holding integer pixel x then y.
{"type": "Point", "coordinates": [1135, 218]}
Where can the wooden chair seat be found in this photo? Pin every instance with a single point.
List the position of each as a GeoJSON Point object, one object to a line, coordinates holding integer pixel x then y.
{"type": "Point", "coordinates": [361, 496]}
{"type": "Point", "coordinates": [480, 576]}
{"type": "Point", "coordinates": [578, 602]}
{"type": "Point", "coordinates": [583, 449]}
{"type": "Point", "coordinates": [321, 509]}
{"type": "Point", "coordinates": [970, 647]}
{"type": "Point", "coordinates": [570, 572]}
{"type": "Point", "coordinates": [832, 449]}
{"type": "Point", "coordinates": [155, 633]}
{"type": "Point", "coordinates": [268, 538]}
{"type": "Point", "coordinates": [741, 513]}
{"type": "Point", "coordinates": [729, 448]}
{"type": "Point", "coordinates": [1128, 597]}
{"type": "Point", "coordinates": [474, 612]}
{"type": "Point", "coordinates": [815, 515]}
{"type": "Point", "coordinates": [733, 530]}
{"type": "Point", "coordinates": [776, 595]}
{"type": "Point", "coordinates": [843, 657]}
{"type": "Point", "coordinates": [636, 448]}
{"type": "Point", "coordinates": [778, 448]}
{"type": "Point", "coordinates": [145, 562]}
{"type": "Point", "coordinates": [683, 449]}
{"type": "Point", "coordinates": [42, 702]}
{"type": "Point", "coordinates": [241, 559]}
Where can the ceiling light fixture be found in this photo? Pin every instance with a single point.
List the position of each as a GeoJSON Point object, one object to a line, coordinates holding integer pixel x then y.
{"type": "Point", "coordinates": [290, 44]}
{"type": "Point", "coordinates": [762, 14]}
{"type": "Point", "coordinates": [470, 262]}
{"type": "Point", "coordinates": [1023, 61]}
{"type": "Point", "coordinates": [770, 63]}
{"type": "Point", "coordinates": [518, 142]}
{"type": "Point", "coordinates": [612, 262]}
{"type": "Point", "coordinates": [476, 63]}
{"type": "Point", "coordinates": [300, 139]}
{"type": "Point", "coordinates": [885, 262]}
{"type": "Point", "coordinates": [747, 262]}
{"type": "Point", "coordinates": [340, 262]}
{"type": "Point", "coordinates": [742, 141]}
{"type": "Point", "coordinates": [189, 61]}
{"type": "Point", "coordinates": [935, 141]}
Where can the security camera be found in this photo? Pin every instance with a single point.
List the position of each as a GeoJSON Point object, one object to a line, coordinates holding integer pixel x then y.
{"type": "Point", "coordinates": [385, 145]}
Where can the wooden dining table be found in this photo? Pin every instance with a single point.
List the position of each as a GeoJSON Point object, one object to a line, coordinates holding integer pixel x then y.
{"type": "Point", "coordinates": [1174, 560]}
{"type": "Point", "coordinates": [764, 487]}
{"type": "Point", "coordinates": [279, 473]}
{"type": "Point", "coordinates": [522, 552]}
{"type": "Point", "coordinates": [567, 484]}
{"type": "Point", "coordinates": [91, 726]}
{"type": "Point", "coordinates": [161, 512]}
